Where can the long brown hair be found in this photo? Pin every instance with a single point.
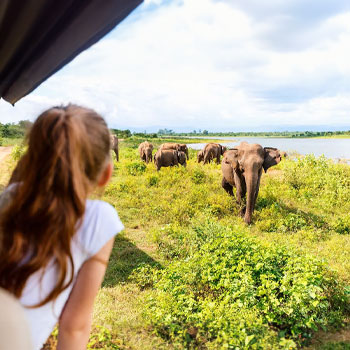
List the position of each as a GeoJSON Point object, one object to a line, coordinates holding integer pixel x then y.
{"type": "Point", "coordinates": [68, 148]}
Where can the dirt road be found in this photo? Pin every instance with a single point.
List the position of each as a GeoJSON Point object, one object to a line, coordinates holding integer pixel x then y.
{"type": "Point", "coordinates": [4, 151]}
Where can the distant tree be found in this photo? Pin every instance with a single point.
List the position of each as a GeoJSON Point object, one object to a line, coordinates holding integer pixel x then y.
{"type": "Point", "coordinates": [25, 124]}
{"type": "Point", "coordinates": [205, 132]}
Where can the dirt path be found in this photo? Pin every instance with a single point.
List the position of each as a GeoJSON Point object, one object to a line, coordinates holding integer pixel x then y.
{"type": "Point", "coordinates": [5, 151]}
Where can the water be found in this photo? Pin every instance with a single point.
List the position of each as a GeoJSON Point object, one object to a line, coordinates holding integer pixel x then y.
{"type": "Point", "coordinates": [331, 148]}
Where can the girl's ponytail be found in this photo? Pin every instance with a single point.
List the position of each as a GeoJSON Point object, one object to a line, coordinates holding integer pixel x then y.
{"type": "Point", "coordinates": [67, 150]}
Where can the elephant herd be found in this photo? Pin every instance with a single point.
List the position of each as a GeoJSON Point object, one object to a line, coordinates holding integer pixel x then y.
{"type": "Point", "coordinates": [168, 154]}
{"type": "Point", "coordinates": [241, 166]}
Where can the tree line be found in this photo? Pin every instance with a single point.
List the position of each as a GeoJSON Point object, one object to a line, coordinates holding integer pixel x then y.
{"type": "Point", "coordinates": [15, 130]}
{"type": "Point", "coordinates": [288, 134]}
{"type": "Point", "coordinates": [18, 130]}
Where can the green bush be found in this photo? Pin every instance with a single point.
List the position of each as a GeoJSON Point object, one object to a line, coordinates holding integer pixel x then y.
{"type": "Point", "coordinates": [342, 224]}
{"type": "Point", "coordinates": [233, 292]}
{"type": "Point", "coordinates": [198, 176]}
{"type": "Point", "coordinates": [153, 180]}
{"type": "Point", "coordinates": [17, 152]}
{"type": "Point", "coordinates": [318, 181]}
{"type": "Point", "coordinates": [101, 338]}
{"type": "Point", "coordinates": [136, 168]}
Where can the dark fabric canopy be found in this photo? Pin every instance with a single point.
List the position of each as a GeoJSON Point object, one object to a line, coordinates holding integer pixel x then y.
{"type": "Point", "coordinates": [38, 37]}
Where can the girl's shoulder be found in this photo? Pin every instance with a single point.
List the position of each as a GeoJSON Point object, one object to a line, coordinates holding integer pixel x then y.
{"type": "Point", "coordinates": [99, 224]}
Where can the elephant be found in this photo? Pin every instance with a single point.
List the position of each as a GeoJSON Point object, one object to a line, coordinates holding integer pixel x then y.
{"type": "Point", "coordinates": [175, 146]}
{"type": "Point", "coordinates": [145, 150]}
{"type": "Point", "coordinates": [114, 145]}
{"type": "Point", "coordinates": [200, 156]}
{"type": "Point", "coordinates": [212, 151]}
{"type": "Point", "coordinates": [181, 156]}
{"type": "Point", "coordinates": [242, 168]}
{"type": "Point", "coordinates": [165, 158]}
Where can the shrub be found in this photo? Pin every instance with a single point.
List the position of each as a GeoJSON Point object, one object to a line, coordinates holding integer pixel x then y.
{"type": "Point", "coordinates": [318, 181]}
{"type": "Point", "coordinates": [136, 168]}
{"type": "Point", "coordinates": [342, 225]}
{"type": "Point", "coordinates": [101, 338]}
{"type": "Point", "coordinates": [234, 292]}
{"type": "Point", "coordinates": [17, 152]}
{"type": "Point", "coordinates": [198, 176]}
{"type": "Point", "coordinates": [153, 180]}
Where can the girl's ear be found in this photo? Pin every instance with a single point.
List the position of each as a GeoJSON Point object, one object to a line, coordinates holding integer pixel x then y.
{"type": "Point", "coordinates": [105, 175]}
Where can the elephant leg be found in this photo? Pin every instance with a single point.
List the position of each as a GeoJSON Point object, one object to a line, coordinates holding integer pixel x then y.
{"type": "Point", "coordinates": [227, 187]}
{"type": "Point", "coordinates": [257, 190]}
{"type": "Point", "coordinates": [116, 151]}
{"type": "Point", "coordinates": [240, 187]}
{"type": "Point", "coordinates": [218, 159]}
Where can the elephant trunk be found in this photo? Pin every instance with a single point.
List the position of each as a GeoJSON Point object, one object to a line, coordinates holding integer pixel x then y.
{"type": "Point", "coordinates": [252, 185]}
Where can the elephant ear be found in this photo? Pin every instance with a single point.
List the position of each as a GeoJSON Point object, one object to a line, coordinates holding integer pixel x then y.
{"type": "Point", "coordinates": [231, 157]}
{"type": "Point", "coordinates": [271, 157]}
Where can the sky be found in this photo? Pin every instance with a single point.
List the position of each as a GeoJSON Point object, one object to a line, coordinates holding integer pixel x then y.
{"type": "Point", "coordinates": [219, 65]}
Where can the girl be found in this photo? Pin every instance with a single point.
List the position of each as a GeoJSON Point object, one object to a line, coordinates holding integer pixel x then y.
{"type": "Point", "coordinates": [54, 242]}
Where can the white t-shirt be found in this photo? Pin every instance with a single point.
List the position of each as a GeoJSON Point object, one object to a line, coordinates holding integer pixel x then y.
{"type": "Point", "coordinates": [100, 223]}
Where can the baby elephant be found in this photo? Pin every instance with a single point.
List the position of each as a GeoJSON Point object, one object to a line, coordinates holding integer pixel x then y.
{"type": "Point", "coordinates": [200, 156]}
{"type": "Point", "coordinates": [212, 151]}
{"type": "Point", "coordinates": [165, 158]}
{"type": "Point", "coordinates": [145, 150]}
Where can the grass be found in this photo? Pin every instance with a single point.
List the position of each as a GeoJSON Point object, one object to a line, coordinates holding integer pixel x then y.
{"type": "Point", "coordinates": [302, 205]}
{"type": "Point", "coordinates": [6, 141]}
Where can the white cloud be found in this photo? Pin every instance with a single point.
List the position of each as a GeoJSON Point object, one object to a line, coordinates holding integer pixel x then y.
{"type": "Point", "coordinates": [210, 64]}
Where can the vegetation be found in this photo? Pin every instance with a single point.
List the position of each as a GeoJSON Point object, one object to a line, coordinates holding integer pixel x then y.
{"type": "Point", "coordinates": [187, 273]}
{"type": "Point", "coordinates": [18, 130]}
{"type": "Point", "coordinates": [288, 134]}
{"type": "Point", "coordinates": [14, 130]}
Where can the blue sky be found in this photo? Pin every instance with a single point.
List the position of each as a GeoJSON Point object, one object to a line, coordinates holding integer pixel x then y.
{"type": "Point", "coordinates": [208, 64]}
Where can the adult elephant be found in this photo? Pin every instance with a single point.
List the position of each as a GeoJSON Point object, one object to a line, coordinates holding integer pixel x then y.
{"type": "Point", "coordinates": [213, 151]}
{"type": "Point", "coordinates": [145, 150]}
{"type": "Point", "coordinates": [169, 157]}
{"type": "Point", "coordinates": [114, 145]}
{"type": "Point", "coordinates": [242, 168]}
{"type": "Point", "coordinates": [181, 147]}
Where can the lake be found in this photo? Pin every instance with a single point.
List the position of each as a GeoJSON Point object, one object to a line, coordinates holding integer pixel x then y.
{"type": "Point", "coordinates": [331, 148]}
